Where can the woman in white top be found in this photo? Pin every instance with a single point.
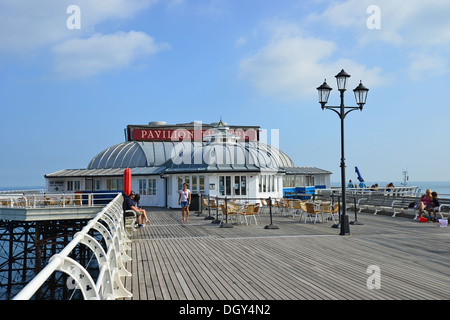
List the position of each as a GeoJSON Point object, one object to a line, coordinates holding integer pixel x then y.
{"type": "Point", "coordinates": [184, 199]}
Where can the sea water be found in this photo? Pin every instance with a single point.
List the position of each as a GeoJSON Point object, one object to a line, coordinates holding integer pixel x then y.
{"type": "Point", "coordinates": [3, 188]}
{"type": "Point", "coordinates": [442, 188]}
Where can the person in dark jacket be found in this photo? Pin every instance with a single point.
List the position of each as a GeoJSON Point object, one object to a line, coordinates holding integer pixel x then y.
{"type": "Point", "coordinates": [132, 204]}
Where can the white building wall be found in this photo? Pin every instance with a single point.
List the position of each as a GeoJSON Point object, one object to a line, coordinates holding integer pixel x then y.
{"type": "Point", "coordinates": [273, 182]}
{"type": "Point", "coordinates": [151, 195]}
{"type": "Point", "coordinates": [274, 192]}
{"type": "Point", "coordinates": [322, 180]}
{"type": "Point", "coordinates": [212, 187]}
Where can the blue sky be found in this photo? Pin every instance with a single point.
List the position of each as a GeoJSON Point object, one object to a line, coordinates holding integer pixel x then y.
{"type": "Point", "coordinates": [67, 94]}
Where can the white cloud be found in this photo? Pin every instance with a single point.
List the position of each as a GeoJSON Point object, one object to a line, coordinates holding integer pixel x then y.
{"type": "Point", "coordinates": [291, 66]}
{"type": "Point", "coordinates": [415, 22]}
{"type": "Point", "coordinates": [81, 58]}
{"type": "Point", "coordinates": [427, 64]}
{"type": "Point", "coordinates": [30, 25]}
{"type": "Point", "coordinates": [212, 7]}
{"type": "Point", "coordinates": [27, 25]}
{"type": "Point", "coordinates": [421, 27]}
{"type": "Point", "coordinates": [240, 41]}
{"type": "Point", "coordinates": [175, 4]}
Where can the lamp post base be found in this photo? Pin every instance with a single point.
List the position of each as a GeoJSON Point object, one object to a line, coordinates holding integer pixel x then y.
{"type": "Point", "coordinates": [345, 228]}
{"type": "Point", "coordinates": [226, 225]}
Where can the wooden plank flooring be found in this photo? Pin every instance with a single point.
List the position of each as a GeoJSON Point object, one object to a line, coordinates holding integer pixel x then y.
{"type": "Point", "coordinates": [200, 261]}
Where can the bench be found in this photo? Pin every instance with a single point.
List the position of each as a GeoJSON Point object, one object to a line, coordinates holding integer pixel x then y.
{"type": "Point", "coordinates": [400, 205]}
{"type": "Point", "coordinates": [444, 208]}
{"type": "Point", "coordinates": [375, 202]}
{"type": "Point", "coordinates": [130, 217]}
{"type": "Point", "coordinates": [405, 204]}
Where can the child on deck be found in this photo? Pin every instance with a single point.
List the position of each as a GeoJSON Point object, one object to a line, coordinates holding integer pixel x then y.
{"type": "Point", "coordinates": [434, 204]}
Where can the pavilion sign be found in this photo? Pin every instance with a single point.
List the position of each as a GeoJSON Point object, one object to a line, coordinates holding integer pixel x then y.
{"type": "Point", "coordinates": [188, 135]}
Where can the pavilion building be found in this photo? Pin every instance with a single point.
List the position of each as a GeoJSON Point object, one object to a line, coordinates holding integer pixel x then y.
{"type": "Point", "coordinates": [213, 159]}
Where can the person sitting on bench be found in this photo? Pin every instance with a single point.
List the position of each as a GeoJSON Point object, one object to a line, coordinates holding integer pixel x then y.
{"type": "Point", "coordinates": [434, 205]}
{"type": "Point", "coordinates": [425, 203]}
{"type": "Point", "coordinates": [130, 204]}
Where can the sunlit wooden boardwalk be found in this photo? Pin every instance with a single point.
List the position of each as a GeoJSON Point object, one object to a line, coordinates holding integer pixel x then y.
{"type": "Point", "coordinates": [200, 261]}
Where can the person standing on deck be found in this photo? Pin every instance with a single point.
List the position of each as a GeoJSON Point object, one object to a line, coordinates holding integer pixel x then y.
{"type": "Point", "coordinates": [185, 200]}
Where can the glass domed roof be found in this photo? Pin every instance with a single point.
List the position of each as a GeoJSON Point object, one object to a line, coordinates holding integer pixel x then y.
{"type": "Point", "coordinates": [136, 154]}
{"type": "Point", "coordinates": [221, 151]}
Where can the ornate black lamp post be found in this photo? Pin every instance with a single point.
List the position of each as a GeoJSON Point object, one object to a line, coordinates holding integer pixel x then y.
{"type": "Point", "coordinates": [342, 111]}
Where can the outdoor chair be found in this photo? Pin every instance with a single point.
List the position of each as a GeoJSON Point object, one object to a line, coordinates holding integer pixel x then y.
{"type": "Point", "coordinates": [251, 210]}
{"type": "Point", "coordinates": [20, 202]}
{"type": "Point", "coordinates": [263, 205]}
{"type": "Point", "coordinates": [313, 209]}
{"type": "Point", "coordinates": [332, 211]}
{"type": "Point", "coordinates": [210, 205]}
{"type": "Point", "coordinates": [6, 203]}
{"type": "Point", "coordinates": [298, 207]}
{"type": "Point", "coordinates": [256, 211]}
{"type": "Point", "coordinates": [303, 210]}
{"type": "Point", "coordinates": [270, 205]}
{"type": "Point", "coordinates": [49, 201]}
{"type": "Point", "coordinates": [229, 211]}
{"type": "Point", "coordinates": [281, 206]}
{"type": "Point", "coordinates": [205, 203]}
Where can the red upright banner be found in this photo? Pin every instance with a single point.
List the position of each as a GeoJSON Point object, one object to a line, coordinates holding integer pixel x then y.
{"type": "Point", "coordinates": [127, 181]}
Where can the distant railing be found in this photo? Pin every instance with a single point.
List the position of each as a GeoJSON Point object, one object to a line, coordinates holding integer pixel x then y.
{"type": "Point", "coordinates": [384, 191]}
{"type": "Point", "coordinates": [23, 191]}
{"type": "Point", "coordinates": [39, 200]}
{"type": "Point", "coordinates": [108, 286]}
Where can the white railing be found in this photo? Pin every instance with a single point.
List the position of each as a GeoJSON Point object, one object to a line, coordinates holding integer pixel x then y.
{"type": "Point", "coordinates": [39, 200]}
{"type": "Point", "coordinates": [23, 191]}
{"type": "Point", "coordinates": [386, 191]}
{"type": "Point", "coordinates": [109, 283]}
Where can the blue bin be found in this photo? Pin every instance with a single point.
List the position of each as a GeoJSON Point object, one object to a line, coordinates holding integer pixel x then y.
{"type": "Point", "coordinates": [298, 192]}
{"type": "Point", "coordinates": [304, 191]}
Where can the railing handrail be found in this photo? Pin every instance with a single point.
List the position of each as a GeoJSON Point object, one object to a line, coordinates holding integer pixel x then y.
{"type": "Point", "coordinates": [38, 200]}
{"type": "Point", "coordinates": [23, 191]}
{"type": "Point", "coordinates": [403, 190]}
{"type": "Point", "coordinates": [109, 283]}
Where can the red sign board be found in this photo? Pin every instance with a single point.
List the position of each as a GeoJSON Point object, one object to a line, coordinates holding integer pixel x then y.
{"type": "Point", "coordinates": [187, 135]}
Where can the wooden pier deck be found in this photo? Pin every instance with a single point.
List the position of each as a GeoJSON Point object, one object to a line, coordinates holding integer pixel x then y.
{"type": "Point", "coordinates": [201, 261]}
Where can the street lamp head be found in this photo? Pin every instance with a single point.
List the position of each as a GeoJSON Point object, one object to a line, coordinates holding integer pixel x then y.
{"type": "Point", "coordinates": [324, 92]}
{"type": "Point", "coordinates": [360, 94]}
{"type": "Point", "coordinates": [341, 78]}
